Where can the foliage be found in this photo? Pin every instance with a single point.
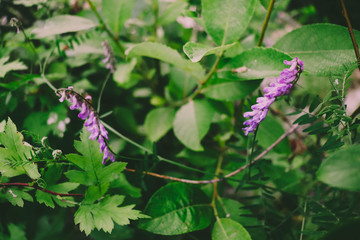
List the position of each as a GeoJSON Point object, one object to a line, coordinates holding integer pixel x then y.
{"type": "Point", "coordinates": [170, 81]}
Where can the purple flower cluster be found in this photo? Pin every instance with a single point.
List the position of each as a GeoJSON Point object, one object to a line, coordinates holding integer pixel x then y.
{"type": "Point", "coordinates": [282, 86]}
{"type": "Point", "coordinates": [109, 56]}
{"type": "Point", "coordinates": [92, 122]}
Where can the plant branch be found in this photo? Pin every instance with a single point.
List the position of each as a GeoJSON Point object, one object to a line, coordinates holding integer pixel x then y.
{"type": "Point", "coordinates": [267, 18]}
{"type": "Point", "coordinates": [44, 190]}
{"type": "Point", "coordinates": [107, 30]}
{"type": "Point", "coordinates": [351, 32]}
{"type": "Point", "coordinates": [102, 91]}
{"type": "Point", "coordinates": [261, 155]}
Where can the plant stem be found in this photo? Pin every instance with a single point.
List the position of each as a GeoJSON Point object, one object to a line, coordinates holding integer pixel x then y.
{"type": "Point", "coordinates": [303, 220]}
{"type": "Point", "coordinates": [351, 32]}
{"type": "Point", "coordinates": [102, 91]}
{"type": "Point", "coordinates": [107, 30]}
{"type": "Point", "coordinates": [267, 18]}
{"type": "Point", "coordinates": [43, 189]}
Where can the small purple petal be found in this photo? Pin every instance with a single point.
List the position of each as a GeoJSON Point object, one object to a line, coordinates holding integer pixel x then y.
{"type": "Point", "coordinates": [103, 132]}
{"type": "Point", "coordinates": [84, 111]}
{"type": "Point", "coordinates": [102, 143]}
{"type": "Point", "coordinates": [63, 96]}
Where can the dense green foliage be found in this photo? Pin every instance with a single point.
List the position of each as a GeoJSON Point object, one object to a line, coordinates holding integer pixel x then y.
{"type": "Point", "coordinates": [170, 81]}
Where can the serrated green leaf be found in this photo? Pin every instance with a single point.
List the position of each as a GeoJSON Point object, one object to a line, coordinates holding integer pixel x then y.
{"type": "Point", "coordinates": [225, 90]}
{"type": "Point", "coordinates": [172, 12]}
{"type": "Point", "coordinates": [227, 229]}
{"type": "Point", "coordinates": [102, 215]}
{"type": "Point", "coordinates": [177, 208]}
{"type": "Point", "coordinates": [14, 158]}
{"type": "Point", "coordinates": [16, 197]}
{"type": "Point", "coordinates": [10, 66]}
{"type": "Point", "coordinates": [62, 24]}
{"type": "Point", "coordinates": [192, 122]}
{"type": "Point", "coordinates": [226, 20]}
{"type": "Point", "coordinates": [158, 122]}
{"type": "Point", "coordinates": [255, 63]}
{"type": "Point", "coordinates": [166, 54]}
{"type": "Point", "coordinates": [46, 198]}
{"type": "Point", "coordinates": [196, 51]}
{"type": "Point", "coordinates": [116, 12]}
{"type": "Point", "coordinates": [324, 48]}
{"type": "Point", "coordinates": [341, 169]}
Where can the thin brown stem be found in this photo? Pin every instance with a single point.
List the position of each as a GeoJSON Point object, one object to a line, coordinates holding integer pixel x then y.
{"type": "Point", "coordinates": [266, 21]}
{"type": "Point", "coordinates": [351, 32]}
{"type": "Point", "coordinates": [43, 189]}
{"type": "Point", "coordinates": [261, 155]}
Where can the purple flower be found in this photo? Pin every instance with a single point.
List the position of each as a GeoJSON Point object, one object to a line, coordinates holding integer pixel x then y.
{"type": "Point", "coordinates": [281, 87]}
{"type": "Point", "coordinates": [88, 113]}
{"type": "Point", "coordinates": [109, 56]}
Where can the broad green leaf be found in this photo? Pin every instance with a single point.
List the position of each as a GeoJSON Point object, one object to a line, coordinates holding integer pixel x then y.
{"type": "Point", "coordinates": [15, 156]}
{"type": "Point", "coordinates": [10, 66]}
{"type": "Point", "coordinates": [16, 197]}
{"type": "Point", "coordinates": [102, 215]}
{"type": "Point", "coordinates": [62, 24]}
{"type": "Point", "coordinates": [122, 74]}
{"type": "Point", "coordinates": [226, 20]}
{"type": "Point", "coordinates": [196, 51]}
{"type": "Point", "coordinates": [166, 54]}
{"type": "Point", "coordinates": [171, 12]}
{"type": "Point", "coordinates": [341, 169]}
{"type": "Point", "coordinates": [116, 12]}
{"type": "Point", "coordinates": [158, 122]}
{"type": "Point", "coordinates": [227, 229]}
{"type": "Point", "coordinates": [324, 48]}
{"type": "Point", "coordinates": [255, 63]}
{"type": "Point", "coordinates": [192, 122]}
{"type": "Point", "coordinates": [269, 131]}
{"type": "Point", "coordinates": [177, 208]}
{"type": "Point", "coordinates": [181, 83]}
{"type": "Point", "coordinates": [225, 90]}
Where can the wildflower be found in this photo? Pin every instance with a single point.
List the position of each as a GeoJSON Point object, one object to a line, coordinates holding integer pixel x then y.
{"type": "Point", "coordinates": [109, 56]}
{"type": "Point", "coordinates": [88, 113]}
{"type": "Point", "coordinates": [281, 87]}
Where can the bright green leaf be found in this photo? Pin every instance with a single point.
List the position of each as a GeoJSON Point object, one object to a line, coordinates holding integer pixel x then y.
{"type": "Point", "coordinates": [226, 20]}
{"type": "Point", "coordinates": [116, 12]}
{"type": "Point", "coordinates": [192, 122]}
{"type": "Point", "coordinates": [324, 48]}
{"type": "Point", "coordinates": [341, 169]}
{"type": "Point", "coordinates": [227, 229]}
{"type": "Point", "coordinates": [255, 63]}
{"type": "Point", "coordinates": [122, 74]}
{"type": "Point", "coordinates": [10, 66]}
{"type": "Point", "coordinates": [158, 122]}
{"type": "Point", "coordinates": [62, 24]}
{"type": "Point", "coordinates": [166, 54]}
{"type": "Point", "coordinates": [181, 83]}
{"type": "Point", "coordinates": [196, 51]}
{"type": "Point", "coordinates": [177, 208]}
{"type": "Point", "coordinates": [225, 90]}
{"type": "Point", "coordinates": [16, 197]}
{"type": "Point", "coordinates": [172, 11]}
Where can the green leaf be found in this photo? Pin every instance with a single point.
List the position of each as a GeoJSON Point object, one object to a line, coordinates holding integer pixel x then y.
{"type": "Point", "coordinates": [265, 3]}
{"type": "Point", "coordinates": [226, 20]}
{"type": "Point", "coordinates": [255, 63]}
{"type": "Point", "coordinates": [102, 215]}
{"type": "Point", "coordinates": [177, 208]}
{"type": "Point", "coordinates": [166, 54]}
{"type": "Point", "coordinates": [158, 122]}
{"type": "Point", "coordinates": [192, 122]}
{"type": "Point", "coordinates": [269, 131]}
{"type": "Point", "coordinates": [225, 90]}
{"type": "Point", "coordinates": [324, 48]}
{"type": "Point", "coordinates": [122, 74]}
{"type": "Point", "coordinates": [62, 24]}
{"type": "Point", "coordinates": [10, 66]}
{"type": "Point", "coordinates": [341, 169]}
{"type": "Point", "coordinates": [14, 158]}
{"type": "Point", "coordinates": [227, 229]}
{"type": "Point", "coordinates": [181, 83]}
{"type": "Point", "coordinates": [196, 51]}
{"type": "Point", "coordinates": [16, 232]}
{"type": "Point", "coordinates": [116, 12]}
{"type": "Point", "coordinates": [16, 197]}
{"type": "Point", "coordinates": [172, 12]}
